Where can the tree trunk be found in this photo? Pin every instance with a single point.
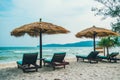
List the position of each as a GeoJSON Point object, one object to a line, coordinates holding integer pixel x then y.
{"type": "Point", "coordinates": [107, 51]}
{"type": "Point", "coordinates": [104, 51]}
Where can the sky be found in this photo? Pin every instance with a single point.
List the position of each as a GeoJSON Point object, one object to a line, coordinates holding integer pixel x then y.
{"type": "Point", "coordinates": [74, 15]}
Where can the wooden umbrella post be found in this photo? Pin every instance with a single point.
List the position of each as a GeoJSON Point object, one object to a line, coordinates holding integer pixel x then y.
{"type": "Point", "coordinates": [94, 42]}
{"type": "Point", "coordinates": [40, 47]}
{"type": "Point", "coordinates": [94, 35]}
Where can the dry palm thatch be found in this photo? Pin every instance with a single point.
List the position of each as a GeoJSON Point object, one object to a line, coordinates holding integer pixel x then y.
{"type": "Point", "coordinates": [95, 32]}
{"type": "Point", "coordinates": [100, 32]}
{"type": "Point", "coordinates": [35, 28]}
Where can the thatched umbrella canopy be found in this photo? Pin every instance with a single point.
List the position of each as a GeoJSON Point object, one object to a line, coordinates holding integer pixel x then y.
{"type": "Point", "coordinates": [37, 29]}
{"type": "Point", "coordinates": [33, 29]}
{"type": "Point", "coordinates": [94, 32]}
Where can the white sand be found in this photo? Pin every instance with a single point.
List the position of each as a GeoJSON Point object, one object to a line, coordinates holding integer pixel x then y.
{"type": "Point", "coordinates": [73, 71]}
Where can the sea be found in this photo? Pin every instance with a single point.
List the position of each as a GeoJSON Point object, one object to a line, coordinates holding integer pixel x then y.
{"type": "Point", "coordinates": [11, 54]}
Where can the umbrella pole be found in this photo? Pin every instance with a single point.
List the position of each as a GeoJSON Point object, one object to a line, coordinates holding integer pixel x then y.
{"type": "Point", "coordinates": [40, 49]}
{"type": "Point", "coordinates": [94, 40]}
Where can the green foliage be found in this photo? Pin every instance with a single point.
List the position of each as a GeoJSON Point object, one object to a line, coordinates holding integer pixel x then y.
{"type": "Point", "coordinates": [116, 26]}
{"type": "Point", "coordinates": [108, 42]}
{"type": "Point", "coordinates": [110, 8]}
{"type": "Point", "coordinates": [116, 41]}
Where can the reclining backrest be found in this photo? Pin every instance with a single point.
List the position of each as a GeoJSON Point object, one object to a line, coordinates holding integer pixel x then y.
{"type": "Point", "coordinates": [93, 55]}
{"type": "Point", "coordinates": [30, 58]}
{"type": "Point", "coordinates": [113, 54]}
{"type": "Point", "coordinates": [58, 57]}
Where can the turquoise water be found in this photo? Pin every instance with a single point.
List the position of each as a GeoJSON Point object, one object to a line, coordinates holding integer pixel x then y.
{"type": "Point", "coordinates": [10, 54]}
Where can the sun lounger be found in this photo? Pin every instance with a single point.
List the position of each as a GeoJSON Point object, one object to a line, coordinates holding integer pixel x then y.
{"type": "Point", "coordinates": [91, 57]}
{"type": "Point", "coordinates": [111, 57]}
{"type": "Point", "coordinates": [57, 60]}
{"type": "Point", "coordinates": [28, 62]}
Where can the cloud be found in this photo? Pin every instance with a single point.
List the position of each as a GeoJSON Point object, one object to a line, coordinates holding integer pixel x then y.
{"type": "Point", "coordinates": [46, 8]}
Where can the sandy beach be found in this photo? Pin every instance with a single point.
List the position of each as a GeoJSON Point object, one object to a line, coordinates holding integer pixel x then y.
{"type": "Point", "coordinates": [74, 71]}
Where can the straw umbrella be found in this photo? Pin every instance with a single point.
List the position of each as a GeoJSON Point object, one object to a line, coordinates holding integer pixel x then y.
{"type": "Point", "coordinates": [37, 29]}
{"type": "Point", "coordinates": [94, 32]}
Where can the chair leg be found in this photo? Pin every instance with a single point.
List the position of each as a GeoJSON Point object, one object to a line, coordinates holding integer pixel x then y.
{"type": "Point", "coordinates": [115, 60]}
{"type": "Point", "coordinates": [90, 61]}
{"type": "Point", "coordinates": [96, 61]}
{"type": "Point", "coordinates": [83, 59]}
{"type": "Point", "coordinates": [64, 66]}
{"type": "Point", "coordinates": [44, 64]}
{"type": "Point", "coordinates": [23, 70]}
{"type": "Point", "coordinates": [53, 67]}
{"type": "Point", "coordinates": [77, 59]}
{"type": "Point", "coordinates": [110, 60]}
{"type": "Point", "coordinates": [36, 69]}
{"type": "Point", "coordinates": [18, 66]}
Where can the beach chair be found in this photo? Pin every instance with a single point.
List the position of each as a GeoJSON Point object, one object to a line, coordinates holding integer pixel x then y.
{"type": "Point", "coordinates": [111, 57]}
{"type": "Point", "coordinates": [28, 62]}
{"type": "Point", "coordinates": [90, 57]}
{"type": "Point", "coordinates": [57, 60]}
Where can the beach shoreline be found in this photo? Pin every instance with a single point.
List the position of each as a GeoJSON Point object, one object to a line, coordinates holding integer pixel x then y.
{"type": "Point", "coordinates": [74, 71]}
